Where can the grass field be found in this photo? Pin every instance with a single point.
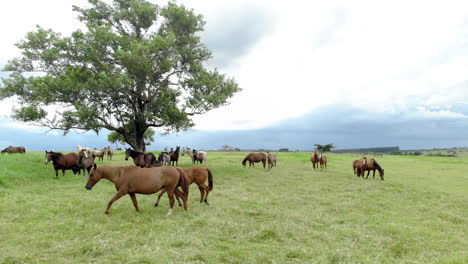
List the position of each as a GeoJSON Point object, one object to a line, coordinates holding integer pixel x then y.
{"type": "Point", "coordinates": [290, 214]}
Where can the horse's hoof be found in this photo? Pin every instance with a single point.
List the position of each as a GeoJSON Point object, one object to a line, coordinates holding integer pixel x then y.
{"type": "Point", "coordinates": [207, 203]}
{"type": "Point", "coordinates": [155, 204]}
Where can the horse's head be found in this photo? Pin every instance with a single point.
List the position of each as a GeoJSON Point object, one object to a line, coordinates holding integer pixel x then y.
{"type": "Point", "coordinates": [48, 156]}
{"type": "Point", "coordinates": [95, 175]}
{"type": "Point", "coordinates": [381, 172]}
{"type": "Point", "coordinates": [127, 153]}
{"type": "Point", "coordinates": [83, 153]}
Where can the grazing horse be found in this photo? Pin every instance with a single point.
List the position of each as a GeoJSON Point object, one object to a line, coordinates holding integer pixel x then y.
{"type": "Point", "coordinates": [196, 175]}
{"type": "Point", "coordinates": [323, 161]}
{"type": "Point", "coordinates": [62, 162]}
{"type": "Point", "coordinates": [131, 180]}
{"type": "Point", "coordinates": [174, 156]}
{"type": "Point", "coordinates": [254, 157]}
{"type": "Point", "coordinates": [271, 160]}
{"type": "Point", "coordinates": [141, 159]}
{"type": "Point", "coordinates": [370, 165]}
{"type": "Point", "coordinates": [11, 150]}
{"type": "Point", "coordinates": [315, 159]}
{"type": "Point", "coordinates": [356, 167]}
{"type": "Point", "coordinates": [85, 162]}
{"type": "Point", "coordinates": [110, 153]}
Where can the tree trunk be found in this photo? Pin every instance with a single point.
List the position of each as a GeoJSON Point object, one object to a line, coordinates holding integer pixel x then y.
{"type": "Point", "coordinates": [140, 143]}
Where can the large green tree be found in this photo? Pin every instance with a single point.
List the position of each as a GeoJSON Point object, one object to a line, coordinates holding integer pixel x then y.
{"type": "Point", "coordinates": [115, 137]}
{"type": "Point", "coordinates": [136, 65]}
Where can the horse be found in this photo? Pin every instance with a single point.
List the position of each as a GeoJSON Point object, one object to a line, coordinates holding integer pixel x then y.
{"type": "Point", "coordinates": [199, 176]}
{"type": "Point", "coordinates": [254, 157]}
{"type": "Point", "coordinates": [110, 153]}
{"type": "Point", "coordinates": [164, 158]}
{"type": "Point", "coordinates": [140, 159]}
{"type": "Point", "coordinates": [356, 167]}
{"type": "Point", "coordinates": [63, 162]}
{"type": "Point", "coordinates": [315, 159]}
{"type": "Point", "coordinates": [186, 150]}
{"type": "Point", "coordinates": [271, 160]}
{"type": "Point", "coordinates": [88, 150]}
{"type": "Point", "coordinates": [85, 161]}
{"type": "Point", "coordinates": [11, 150]}
{"type": "Point", "coordinates": [370, 165]}
{"type": "Point", "coordinates": [131, 180]}
{"type": "Point", "coordinates": [174, 156]}
{"type": "Point", "coordinates": [99, 153]}
{"type": "Point", "coordinates": [323, 161]}
{"type": "Point", "coordinates": [237, 149]}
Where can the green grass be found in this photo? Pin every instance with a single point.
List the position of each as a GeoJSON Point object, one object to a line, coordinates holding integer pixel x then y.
{"type": "Point", "coordinates": [290, 214]}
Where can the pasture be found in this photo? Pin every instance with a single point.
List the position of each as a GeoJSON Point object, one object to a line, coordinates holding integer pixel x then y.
{"type": "Point", "coordinates": [290, 214]}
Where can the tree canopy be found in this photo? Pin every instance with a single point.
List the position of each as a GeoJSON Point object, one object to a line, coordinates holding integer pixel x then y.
{"type": "Point", "coordinates": [136, 65]}
{"type": "Point", "coordinates": [324, 148]}
{"type": "Point", "coordinates": [115, 137]}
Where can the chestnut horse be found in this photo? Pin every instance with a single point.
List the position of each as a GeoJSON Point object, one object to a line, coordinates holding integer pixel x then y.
{"type": "Point", "coordinates": [139, 158]}
{"type": "Point", "coordinates": [131, 180]}
{"type": "Point", "coordinates": [315, 159]}
{"type": "Point", "coordinates": [370, 165]}
{"type": "Point", "coordinates": [11, 150]}
{"type": "Point", "coordinates": [356, 167]}
{"type": "Point", "coordinates": [62, 162]}
{"type": "Point", "coordinates": [323, 161]}
{"type": "Point", "coordinates": [196, 175]}
{"type": "Point", "coordinates": [271, 160]}
{"type": "Point", "coordinates": [254, 157]}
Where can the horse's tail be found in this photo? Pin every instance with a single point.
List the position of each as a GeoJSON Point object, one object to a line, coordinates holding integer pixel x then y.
{"type": "Point", "coordinates": [183, 182]}
{"type": "Point", "coordinates": [210, 179]}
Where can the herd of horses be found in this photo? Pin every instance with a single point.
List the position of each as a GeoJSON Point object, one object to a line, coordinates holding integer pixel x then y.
{"type": "Point", "coordinates": [152, 175]}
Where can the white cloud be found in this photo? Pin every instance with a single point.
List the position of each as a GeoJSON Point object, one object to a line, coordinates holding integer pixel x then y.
{"type": "Point", "coordinates": [380, 56]}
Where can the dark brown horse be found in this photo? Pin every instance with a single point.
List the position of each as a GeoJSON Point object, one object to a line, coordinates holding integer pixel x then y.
{"type": "Point", "coordinates": [86, 161]}
{"type": "Point", "coordinates": [132, 180]}
{"type": "Point", "coordinates": [370, 165]}
{"type": "Point", "coordinates": [11, 150]}
{"type": "Point", "coordinates": [62, 162]}
{"type": "Point", "coordinates": [197, 175]}
{"type": "Point", "coordinates": [141, 159]}
{"type": "Point", "coordinates": [254, 157]}
{"type": "Point", "coordinates": [356, 167]}
{"type": "Point", "coordinates": [175, 157]}
{"type": "Point", "coordinates": [323, 161]}
{"type": "Point", "coordinates": [271, 160]}
{"type": "Point", "coordinates": [315, 159]}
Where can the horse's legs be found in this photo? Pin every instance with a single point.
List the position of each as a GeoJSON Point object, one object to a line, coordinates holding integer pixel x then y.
{"type": "Point", "coordinates": [202, 193]}
{"type": "Point", "coordinates": [159, 197]}
{"type": "Point", "coordinates": [178, 194]}
{"type": "Point", "coordinates": [373, 176]}
{"type": "Point", "coordinates": [56, 173]}
{"type": "Point", "coordinates": [368, 172]}
{"type": "Point", "coordinates": [63, 172]}
{"type": "Point", "coordinates": [134, 200]}
{"type": "Point", "coordinates": [170, 194]}
{"type": "Point", "coordinates": [115, 198]}
{"type": "Point", "coordinates": [207, 191]}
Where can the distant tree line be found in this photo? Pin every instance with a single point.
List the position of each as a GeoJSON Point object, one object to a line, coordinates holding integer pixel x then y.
{"type": "Point", "coordinates": [367, 150]}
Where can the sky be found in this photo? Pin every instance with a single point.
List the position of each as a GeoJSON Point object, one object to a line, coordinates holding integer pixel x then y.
{"type": "Point", "coordinates": [353, 73]}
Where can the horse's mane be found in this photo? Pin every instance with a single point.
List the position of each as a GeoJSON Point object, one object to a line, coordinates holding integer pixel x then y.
{"type": "Point", "coordinates": [377, 165]}
{"type": "Point", "coordinates": [112, 170]}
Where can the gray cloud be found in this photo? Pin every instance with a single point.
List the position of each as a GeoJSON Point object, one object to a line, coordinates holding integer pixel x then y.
{"type": "Point", "coordinates": [232, 33]}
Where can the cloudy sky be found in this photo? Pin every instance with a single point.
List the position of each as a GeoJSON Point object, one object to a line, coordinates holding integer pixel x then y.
{"type": "Point", "coordinates": [356, 73]}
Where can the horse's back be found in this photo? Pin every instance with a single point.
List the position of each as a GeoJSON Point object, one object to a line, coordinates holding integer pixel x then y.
{"type": "Point", "coordinates": [151, 180]}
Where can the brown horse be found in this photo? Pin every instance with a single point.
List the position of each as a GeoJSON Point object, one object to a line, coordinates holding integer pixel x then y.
{"type": "Point", "coordinates": [86, 161]}
{"type": "Point", "coordinates": [254, 157]}
{"type": "Point", "coordinates": [131, 180]}
{"type": "Point", "coordinates": [196, 175]}
{"type": "Point", "coordinates": [323, 161]}
{"type": "Point", "coordinates": [99, 153]}
{"type": "Point", "coordinates": [175, 156]}
{"type": "Point", "coordinates": [62, 162]}
{"type": "Point", "coordinates": [356, 167]}
{"type": "Point", "coordinates": [370, 165]}
{"type": "Point", "coordinates": [315, 159]}
{"type": "Point", "coordinates": [11, 150]}
{"type": "Point", "coordinates": [110, 153]}
{"type": "Point", "coordinates": [271, 160]}
{"type": "Point", "coordinates": [141, 159]}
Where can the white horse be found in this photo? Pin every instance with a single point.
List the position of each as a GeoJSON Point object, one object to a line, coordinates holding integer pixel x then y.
{"type": "Point", "coordinates": [87, 150]}
{"type": "Point", "coordinates": [166, 159]}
